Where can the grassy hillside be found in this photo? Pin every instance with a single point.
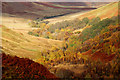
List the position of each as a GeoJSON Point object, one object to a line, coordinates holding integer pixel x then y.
{"type": "Point", "coordinates": [103, 12]}
{"type": "Point", "coordinates": [26, 46]}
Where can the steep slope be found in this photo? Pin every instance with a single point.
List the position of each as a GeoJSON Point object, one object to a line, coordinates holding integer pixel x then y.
{"type": "Point", "coordinates": [107, 11]}
{"type": "Point", "coordinates": [23, 68]}
{"type": "Point", "coordinates": [23, 45]}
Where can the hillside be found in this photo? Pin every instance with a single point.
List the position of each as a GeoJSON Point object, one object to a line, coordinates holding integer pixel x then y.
{"type": "Point", "coordinates": [17, 14]}
{"type": "Point", "coordinates": [80, 45]}
{"type": "Point", "coordinates": [89, 41]}
{"type": "Point", "coordinates": [23, 68]}
{"type": "Point", "coordinates": [78, 20]}
{"type": "Point", "coordinates": [101, 12]}
{"type": "Point", "coordinates": [17, 43]}
{"type": "Point", "coordinates": [14, 22]}
{"type": "Point", "coordinates": [88, 4]}
{"type": "Point", "coordinates": [107, 11]}
{"type": "Point", "coordinates": [33, 10]}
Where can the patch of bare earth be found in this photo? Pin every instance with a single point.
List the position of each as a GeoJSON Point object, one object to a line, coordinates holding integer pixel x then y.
{"type": "Point", "coordinates": [68, 70]}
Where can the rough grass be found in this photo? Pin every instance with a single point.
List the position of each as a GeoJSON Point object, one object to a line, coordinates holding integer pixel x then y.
{"type": "Point", "coordinates": [103, 12]}
{"type": "Point", "coordinates": [24, 45]}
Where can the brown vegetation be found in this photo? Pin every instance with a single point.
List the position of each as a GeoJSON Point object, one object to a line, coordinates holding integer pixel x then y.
{"type": "Point", "coordinates": [23, 68]}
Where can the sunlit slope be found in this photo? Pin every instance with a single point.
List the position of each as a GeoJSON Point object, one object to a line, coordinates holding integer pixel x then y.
{"type": "Point", "coordinates": [14, 22]}
{"type": "Point", "coordinates": [107, 11]}
{"type": "Point", "coordinates": [23, 45]}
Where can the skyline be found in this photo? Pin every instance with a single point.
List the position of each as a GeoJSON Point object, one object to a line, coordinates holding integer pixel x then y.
{"type": "Point", "coordinates": [59, 0]}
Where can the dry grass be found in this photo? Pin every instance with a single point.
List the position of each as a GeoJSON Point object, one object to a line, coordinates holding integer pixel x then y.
{"type": "Point", "coordinates": [107, 11]}
{"type": "Point", "coordinates": [23, 45]}
{"type": "Point", "coordinates": [14, 22]}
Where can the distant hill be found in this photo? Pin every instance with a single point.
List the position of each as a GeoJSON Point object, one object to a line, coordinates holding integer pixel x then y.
{"type": "Point", "coordinates": [107, 11]}
{"type": "Point", "coordinates": [33, 10]}
{"type": "Point", "coordinates": [95, 4]}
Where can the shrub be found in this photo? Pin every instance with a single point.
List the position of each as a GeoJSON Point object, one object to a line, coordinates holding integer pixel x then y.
{"type": "Point", "coordinates": [85, 20]}
{"type": "Point", "coordinates": [30, 32]}
{"type": "Point", "coordinates": [96, 29]}
{"type": "Point", "coordinates": [94, 21]}
{"type": "Point", "coordinates": [37, 35]}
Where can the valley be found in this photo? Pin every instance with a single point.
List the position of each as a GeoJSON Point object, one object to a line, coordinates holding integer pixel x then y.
{"type": "Point", "coordinates": [82, 44]}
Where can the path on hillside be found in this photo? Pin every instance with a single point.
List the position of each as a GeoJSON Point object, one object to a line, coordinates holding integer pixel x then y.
{"type": "Point", "coordinates": [66, 70]}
